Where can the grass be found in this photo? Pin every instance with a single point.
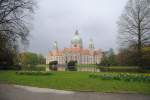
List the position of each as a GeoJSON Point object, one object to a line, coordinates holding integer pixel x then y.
{"type": "Point", "coordinates": [123, 67]}
{"type": "Point", "coordinates": [124, 77]}
{"type": "Point", "coordinates": [115, 67]}
{"type": "Point", "coordinates": [77, 81]}
{"type": "Point", "coordinates": [87, 65]}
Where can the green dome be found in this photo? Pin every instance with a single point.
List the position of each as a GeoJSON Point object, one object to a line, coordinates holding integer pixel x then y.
{"type": "Point", "coordinates": [76, 40]}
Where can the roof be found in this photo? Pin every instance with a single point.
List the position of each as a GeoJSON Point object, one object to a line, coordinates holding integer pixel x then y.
{"type": "Point", "coordinates": [81, 51]}
{"type": "Point", "coordinates": [55, 53]}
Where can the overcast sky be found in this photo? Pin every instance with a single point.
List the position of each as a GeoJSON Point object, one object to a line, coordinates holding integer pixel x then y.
{"type": "Point", "coordinates": [57, 20]}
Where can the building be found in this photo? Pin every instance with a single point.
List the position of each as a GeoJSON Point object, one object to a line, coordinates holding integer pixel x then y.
{"type": "Point", "coordinates": [76, 52]}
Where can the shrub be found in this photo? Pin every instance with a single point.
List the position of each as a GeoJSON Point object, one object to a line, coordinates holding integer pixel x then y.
{"type": "Point", "coordinates": [53, 65]}
{"type": "Point", "coordinates": [71, 66]}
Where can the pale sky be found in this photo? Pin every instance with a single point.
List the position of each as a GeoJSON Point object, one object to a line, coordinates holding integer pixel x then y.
{"type": "Point", "coordinates": [57, 20]}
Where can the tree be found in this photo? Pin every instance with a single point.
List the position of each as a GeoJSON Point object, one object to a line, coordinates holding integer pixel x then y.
{"type": "Point", "coordinates": [31, 58]}
{"type": "Point", "coordinates": [13, 26]}
{"type": "Point", "coordinates": [104, 61]}
{"type": "Point", "coordinates": [146, 56]}
{"type": "Point", "coordinates": [112, 57]}
{"type": "Point", "coordinates": [134, 26]}
{"type": "Point", "coordinates": [109, 58]}
{"type": "Point", "coordinates": [28, 58]}
{"type": "Point", "coordinates": [41, 59]}
{"type": "Point", "coordinates": [126, 57]}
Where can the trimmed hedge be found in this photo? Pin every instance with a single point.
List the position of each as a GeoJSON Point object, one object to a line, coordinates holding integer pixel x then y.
{"type": "Point", "coordinates": [33, 68]}
{"type": "Point", "coordinates": [33, 73]}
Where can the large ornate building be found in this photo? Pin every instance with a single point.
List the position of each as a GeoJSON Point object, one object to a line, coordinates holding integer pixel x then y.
{"type": "Point", "coordinates": [76, 52]}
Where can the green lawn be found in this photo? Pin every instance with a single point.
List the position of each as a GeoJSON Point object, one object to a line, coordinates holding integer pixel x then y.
{"type": "Point", "coordinates": [77, 81]}
{"type": "Point", "coordinates": [86, 65]}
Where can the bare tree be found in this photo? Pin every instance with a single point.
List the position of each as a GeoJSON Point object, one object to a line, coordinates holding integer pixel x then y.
{"type": "Point", "coordinates": [14, 16]}
{"type": "Point", "coordinates": [134, 26]}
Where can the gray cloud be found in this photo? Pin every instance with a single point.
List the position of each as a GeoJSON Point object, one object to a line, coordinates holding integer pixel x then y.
{"type": "Point", "coordinates": [58, 20]}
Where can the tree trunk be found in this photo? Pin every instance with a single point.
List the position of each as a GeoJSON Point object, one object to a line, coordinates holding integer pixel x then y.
{"type": "Point", "coordinates": [139, 51]}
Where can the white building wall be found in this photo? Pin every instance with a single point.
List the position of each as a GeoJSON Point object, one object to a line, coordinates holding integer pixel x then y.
{"type": "Point", "coordinates": [81, 59]}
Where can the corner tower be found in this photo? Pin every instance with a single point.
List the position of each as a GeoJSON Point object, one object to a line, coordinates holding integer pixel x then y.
{"type": "Point", "coordinates": [55, 46]}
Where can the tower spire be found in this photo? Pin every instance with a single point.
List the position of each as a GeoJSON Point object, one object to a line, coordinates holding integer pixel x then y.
{"type": "Point", "coordinates": [77, 32]}
{"type": "Point", "coordinates": [91, 44]}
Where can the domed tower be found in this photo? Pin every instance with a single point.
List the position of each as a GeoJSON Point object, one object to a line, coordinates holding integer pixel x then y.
{"type": "Point", "coordinates": [76, 42]}
{"type": "Point", "coordinates": [91, 44]}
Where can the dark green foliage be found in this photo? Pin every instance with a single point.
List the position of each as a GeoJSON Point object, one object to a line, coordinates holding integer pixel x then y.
{"type": "Point", "coordinates": [72, 65]}
{"type": "Point", "coordinates": [53, 65]}
{"type": "Point", "coordinates": [33, 73]}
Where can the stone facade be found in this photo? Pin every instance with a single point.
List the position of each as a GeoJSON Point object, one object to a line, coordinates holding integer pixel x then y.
{"type": "Point", "coordinates": [76, 53]}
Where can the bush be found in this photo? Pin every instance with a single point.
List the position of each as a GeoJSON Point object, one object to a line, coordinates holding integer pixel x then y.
{"type": "Point", "coordinates": [71, 66]}
{"type": "Point", "coordinates": [72, 63]}
{"type": "Point", "coordinates": [53, 65]}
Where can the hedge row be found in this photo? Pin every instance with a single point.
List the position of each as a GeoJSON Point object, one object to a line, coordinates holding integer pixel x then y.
{"type": "Point", "coordinates": [33, 73]}
{"type": "Point", "coordinates": [33, 68]}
